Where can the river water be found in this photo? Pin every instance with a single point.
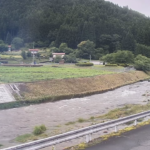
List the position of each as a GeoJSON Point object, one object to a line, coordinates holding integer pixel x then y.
{"type": "Point", "coordinates": [18, 121]}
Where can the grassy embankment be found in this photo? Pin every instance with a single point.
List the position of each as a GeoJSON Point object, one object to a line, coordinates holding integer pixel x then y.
{"type": "Point", "coordinates": [54, 83]}
{"type": "Point", "coordinates": [78, 87]}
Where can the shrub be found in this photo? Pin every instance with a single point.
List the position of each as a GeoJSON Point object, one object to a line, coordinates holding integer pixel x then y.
{"type": "Point", "coordinates": [39, 130]}
{"type": "Point", "coordinates": [82, 146]}
{"type": "Point", "coordinates": [23, 54]}
{"type": "Point", "coordinates": [43, 128]}
{"type": "Point", "coordinates": [81, 120]}
{"type": "Point", "coordinates": [123, 65]}
{"type": "Point", "coordinates": [84, 64]}
{"type": "Point", "coordinates": [57, 59]}
{"type": "Point", "coordinates": [111, 65]}
{"type": "Point", "coordinates": [142, 63]}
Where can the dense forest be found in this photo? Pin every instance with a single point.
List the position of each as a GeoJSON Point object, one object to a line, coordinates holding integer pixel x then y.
{"type": "Point", "coordinates": [52, 22]}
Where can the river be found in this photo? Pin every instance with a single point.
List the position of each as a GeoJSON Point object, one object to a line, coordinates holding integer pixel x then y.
{"type": "Point", "coordinates": [18, 121]}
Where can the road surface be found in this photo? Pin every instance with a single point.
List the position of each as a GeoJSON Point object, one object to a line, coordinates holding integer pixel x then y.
{"type": "Point", "coordinates": [138, 139]}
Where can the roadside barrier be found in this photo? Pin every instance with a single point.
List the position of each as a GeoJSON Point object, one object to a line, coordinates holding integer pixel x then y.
{"type": "Point", "coordinates": [87, 132]}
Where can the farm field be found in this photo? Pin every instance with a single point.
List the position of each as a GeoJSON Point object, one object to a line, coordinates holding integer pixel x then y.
{"type": "Point", "coordinates": [32, 74]}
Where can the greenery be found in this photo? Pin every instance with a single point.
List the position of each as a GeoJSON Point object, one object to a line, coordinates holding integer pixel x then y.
{"type": "Point", "coordinates": [23, 54]}
{"type": "Point", "coordinates": [39, 130]}
{"type": "Point", "coordinates": [27, 74]}
{"type": "Point", "coordinates": [81, 120]}
{"type": "Point", "coordinates": [57, 59]}
{"type": "Point", "coordinates": [3, 46]}
{"type": "Point", "coordinates": [84, 64]}
{"type": "Point", "coordinates": [119, 57]}
{"type": "Point", "coordinates": [17, 43]}
{"type": "Point", "coordinates": [111, 65]}
{"type": "Point", "coordinates": [85, 49]}
{"type": "Point", "coordinates": [90, 27]}
{"type": "Point", "coordinates": [24, 138]}
{"type": "Point", "coordinates": [71, 58]}
{"type": "Point", "coordinates": [142, 63]}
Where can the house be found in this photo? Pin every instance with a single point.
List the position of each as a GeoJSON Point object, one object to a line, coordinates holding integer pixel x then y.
{"type": "Point", "coordinates": [34, 51]}
{"type": "Point", "coordinates": [58, 54]}
{"type": "Point", "coordinates": [9, 48]}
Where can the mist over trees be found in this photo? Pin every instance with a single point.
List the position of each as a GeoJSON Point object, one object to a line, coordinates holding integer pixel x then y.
{"type": "Point", "coordinates": [52, 22]}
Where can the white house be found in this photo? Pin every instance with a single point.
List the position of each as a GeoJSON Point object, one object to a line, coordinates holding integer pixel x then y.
{"type": "Point", "coordinates": [58, 54]}
{"type": "Point", "coordinates": [34, 51]}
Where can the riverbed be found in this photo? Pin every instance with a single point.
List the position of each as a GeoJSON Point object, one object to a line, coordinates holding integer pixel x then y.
{"type": "Point", "coordinates": [18, 121]}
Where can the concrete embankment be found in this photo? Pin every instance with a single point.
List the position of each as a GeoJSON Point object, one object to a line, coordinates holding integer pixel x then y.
{"type": "Point", "coordinates": [78, 87]}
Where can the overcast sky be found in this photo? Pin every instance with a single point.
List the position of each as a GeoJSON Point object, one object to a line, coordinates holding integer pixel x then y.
{"type": "Point", "coordinates": [142, 6]}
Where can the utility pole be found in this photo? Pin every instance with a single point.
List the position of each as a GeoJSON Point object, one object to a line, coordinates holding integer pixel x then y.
{"type": "Point", "coordinates": [33, 58]}
{"type": "Point", "coordinates": [33, 45]}
{"type": "Point", "coordinates": [90, 58]}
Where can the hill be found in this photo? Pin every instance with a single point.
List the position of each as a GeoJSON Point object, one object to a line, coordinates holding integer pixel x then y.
{"type": "Point", "coordinates": [71, 21]}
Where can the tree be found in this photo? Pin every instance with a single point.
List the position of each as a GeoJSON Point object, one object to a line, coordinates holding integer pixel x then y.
{"type": "Point", "coordinates": [71, 58]}
{"type": "Point", "coordinates": [119, 57]}
{"type": "Point", "coordinates": [17, 43]}
{"type": "Point", "coordinates": [52, 44]}
{"type": "Point", "coordinates": [3, 46]}
{"type": "Point", "coordinates": [142, 63]}
{"type": "Point", "coordinates": [142, 49]}
{"type": "Point", "coordinates": [57, 59]}
{"type": "Point", "coordinates": [65, 49]}
{"type": "Point", "coordinates": [124, 57]}
{"type": "Point", "coordinates": [29, 54]}
{"type": "Point", "coordinates": [128, 42]}
{"type": "Point", "coordinates": [85, 49]}
{"type": "Point", "coordinates": [54, 50]}
{"type": "Point", "coordinates": [23, 54]}
{"type": "Point", "coordinates": [109, 58]}
{"type": "Point", "coordinates": [63, 46]}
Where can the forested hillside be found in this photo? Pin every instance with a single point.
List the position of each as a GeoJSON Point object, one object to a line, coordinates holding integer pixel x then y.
{"type": "Point", "coordinates": [109, 26]}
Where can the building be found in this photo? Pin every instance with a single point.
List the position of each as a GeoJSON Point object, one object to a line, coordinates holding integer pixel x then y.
{"type": "Point", "coordinates": [9, 48]}
{"type": "Point", "coordinates": [34, 51]}
{"type": "Point", "coordinates": [58, 54]}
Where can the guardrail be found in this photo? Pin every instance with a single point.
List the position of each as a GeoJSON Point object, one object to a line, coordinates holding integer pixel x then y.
{"type": "Point", "coordinates": [52, 141]}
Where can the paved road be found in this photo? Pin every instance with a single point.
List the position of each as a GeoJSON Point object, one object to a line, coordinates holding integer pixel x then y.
{"type": "Point", "coordinates": [138, 139]}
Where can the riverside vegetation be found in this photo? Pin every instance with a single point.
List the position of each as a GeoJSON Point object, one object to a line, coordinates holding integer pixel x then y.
{"type": "Point", "coordinates": [40, 131]}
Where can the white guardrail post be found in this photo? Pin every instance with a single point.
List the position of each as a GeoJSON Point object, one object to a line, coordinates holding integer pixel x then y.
{"type": "Point", "coordinates": [53, 148]}
{"type": "Point", "coordinates": [84, 132]}
{"type": "Point", "coordinates": [116, 129]}
{"type": "Point", "coordinates": [135, 122]}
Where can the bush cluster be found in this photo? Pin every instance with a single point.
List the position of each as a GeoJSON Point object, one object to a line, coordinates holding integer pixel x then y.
{"type": "Point", "coordinates": [39, 130]}
{"type": "Point", "coordinates": [84, 64]}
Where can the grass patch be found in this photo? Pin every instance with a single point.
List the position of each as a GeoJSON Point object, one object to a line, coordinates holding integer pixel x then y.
{"type": "Point", "coordinates": [39, 130]}
{"type": "Point", "coordinates": [125, 111]}
{"type": "Point", "coordinates": [117, 113]}
{"type": "Point", "coordinates": [81, 120]}
{"type": "Point", "coordinates": [28, 74]}
{"type": "Point", "coordinates": [1, 145]}
{"type": "Point", "coordinates": [24, 138]}
{"type": "Point", "coordinates": [69, 123]}
{"type": "Point", "coordinates": [37, 134]}
{"type": "Point", "coordinates": [29, 137]}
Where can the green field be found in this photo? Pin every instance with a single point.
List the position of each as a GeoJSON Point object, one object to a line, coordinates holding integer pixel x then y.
{"type": "Point", "coordinates": [29, 74]}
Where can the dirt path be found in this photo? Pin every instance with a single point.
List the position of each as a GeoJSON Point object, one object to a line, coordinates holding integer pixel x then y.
{"type": "Point", "coordinates": [20, 121]}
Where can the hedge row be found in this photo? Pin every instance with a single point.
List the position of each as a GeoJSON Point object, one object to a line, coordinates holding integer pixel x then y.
{"type": "Point", "coordinates": [114, 65]}
{"type": "Point", "coordinates": [111, 65]}
{"type": "Point", "coordinates": [84, 64]}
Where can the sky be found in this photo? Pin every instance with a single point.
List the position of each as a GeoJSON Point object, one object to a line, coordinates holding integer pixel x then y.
{"type": "Point", "coordinates": [142, 6]}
